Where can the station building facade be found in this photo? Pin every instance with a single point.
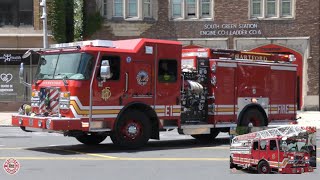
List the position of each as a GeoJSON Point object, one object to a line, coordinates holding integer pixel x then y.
{"type": "Point", "coordinates": [20, 30]}
{"type": "Point", "coordinates": [275, 26]}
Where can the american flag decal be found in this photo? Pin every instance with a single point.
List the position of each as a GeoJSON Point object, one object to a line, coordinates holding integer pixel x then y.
{"type": "Point", "coordinates": [49, 100]}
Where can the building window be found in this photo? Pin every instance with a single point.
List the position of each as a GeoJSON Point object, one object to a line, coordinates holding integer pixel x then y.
{"type": "Point", "coordinates": [286, 8]}
{"type": "Point", "coordinates": [191, 9]}
{"type": "Point", "coordinates": [271, 9]}
{"type": "Point", "coordinates": [118, 7]}
{"type": "Point", "coordinates": [256, 8]}
{"type": "Point", "coordinates": [205, 8]}
{"type": "Point", "coordinates": [132, 8]}
{"type": "Point", "coordinates": [147, 8]}
{"type": "Point", "coordinates": [16, 13]}
{"type": "Point", "coordinates": [104, 8]}
{"type": "Point", "coordinates": [177, 8]}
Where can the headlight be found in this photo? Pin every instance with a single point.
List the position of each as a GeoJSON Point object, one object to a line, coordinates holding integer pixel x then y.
{"type": "Point", "coordinates": [214, 67]}
{"type": "Point", "coordinates": [39, 123]}
{"type": "Point", "coordinates": [48, 123]}
{"type": "Point", "coordinates": [64, 100]}
{"type": "Point", "coordinates": [214, 80]}
{"type": "Point", "coordinates": [20, 121]}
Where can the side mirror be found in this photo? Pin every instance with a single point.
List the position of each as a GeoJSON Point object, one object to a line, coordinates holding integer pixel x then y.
{"type": "Point", "coordinates": [21, 74]}
{"type": "Point", "coordinates": [21, 71]}
{"type": "Point", "coordinates": [27, 54]}
{"type": "Point", "coordinates": [105, 72]}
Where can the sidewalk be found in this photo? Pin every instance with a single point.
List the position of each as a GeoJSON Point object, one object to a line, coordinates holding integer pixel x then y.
{"type": "Point", "coordinates": [310, 118]}
{"type": "Point", "coordinates": [5, 118]}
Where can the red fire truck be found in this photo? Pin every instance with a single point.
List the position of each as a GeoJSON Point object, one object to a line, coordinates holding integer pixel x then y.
{"type": "Point", "coordinates": [283, 150]}
{"type": "Point", "coordinates": [132, 89]}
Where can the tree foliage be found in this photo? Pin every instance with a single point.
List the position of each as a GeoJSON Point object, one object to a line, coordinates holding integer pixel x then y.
{"type": "Point", "coordinates": [70, 22]}
{"type": "Point", "coordinates": [56, 18]}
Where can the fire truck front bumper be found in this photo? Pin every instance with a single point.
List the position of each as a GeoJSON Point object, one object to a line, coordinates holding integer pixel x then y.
{"type": "Point", "coordinates": [50, 124]}
{"type": "Point", "coordinates": [295, 170]}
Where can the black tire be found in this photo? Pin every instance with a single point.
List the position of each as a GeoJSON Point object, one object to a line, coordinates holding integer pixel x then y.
{"type": "Point", "coordinates": [251, 115]}
{"type": "Point", "coordinates": [263, 168]}
{"type": "Point", "coordinates": [254, 116]}
{"type": "Point", "coordinates": [140, 130]}
{"type": "Point", "coordinates": [206, 138]}
{"type": "Point", "coordinates": [24, 129]}
{"type": "Point", "coordinates": [231, 163]}
{"type": "Point", "coordinates": [92, 139]}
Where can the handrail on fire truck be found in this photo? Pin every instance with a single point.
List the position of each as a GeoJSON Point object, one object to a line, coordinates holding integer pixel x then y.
{"type": "Point", "coordinates": [287, 131]}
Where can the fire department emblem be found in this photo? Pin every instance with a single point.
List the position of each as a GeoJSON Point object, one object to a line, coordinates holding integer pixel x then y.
{"type": "Point", "coordinates": [142, 78]}
{"type": "Point", "coordinates": [106, 93]}
{"type": "Point", "coordinates": [273, 156]}
{"type": "Point", "coordinates": [11, 166]}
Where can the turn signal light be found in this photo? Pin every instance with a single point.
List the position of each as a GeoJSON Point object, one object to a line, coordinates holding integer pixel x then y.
{"type": "Point", "coordinates": [65, 94]}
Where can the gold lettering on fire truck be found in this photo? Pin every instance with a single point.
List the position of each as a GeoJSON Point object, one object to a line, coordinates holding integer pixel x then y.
{"type": "Point", "coordinates": [106, 93]}
{"type": "Point", "coordinates": [251, 57]}
{"type": "Point", "coordinates": [273, 156]}
{"type": "Point", "coordinates": [168, 111]}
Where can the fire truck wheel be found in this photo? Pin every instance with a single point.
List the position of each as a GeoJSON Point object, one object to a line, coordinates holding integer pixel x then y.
{"type": "Point", "coordinates": [253, 116]}
{"type": "Point", "coordinates": [132, 130]}
{"type": "Point", "coordinates": [92, 139]}
{"type": "Point", "coordinates": [231, 163]}
{"type": "Point", "coordinates": [263, 167]}
{"type": "Point", "coordinates": [206, 138]}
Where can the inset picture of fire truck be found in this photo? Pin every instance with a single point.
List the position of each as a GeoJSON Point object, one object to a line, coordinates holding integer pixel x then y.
{"type": "Point", "coordinates": [283, 150]}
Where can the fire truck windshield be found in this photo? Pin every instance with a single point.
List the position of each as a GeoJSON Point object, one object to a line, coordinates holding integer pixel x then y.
{"type": "Point", "coordinates": [74, 66]}
{"type": "Point", "coordinates": [293, 145]}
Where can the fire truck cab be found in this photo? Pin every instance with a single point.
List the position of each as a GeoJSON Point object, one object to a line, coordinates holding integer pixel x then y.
{"type": "Point", "coordinates": [282, 150]}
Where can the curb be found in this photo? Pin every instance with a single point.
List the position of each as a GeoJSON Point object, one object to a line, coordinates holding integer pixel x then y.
{"type": "Point", "coordinates": [6, 126]}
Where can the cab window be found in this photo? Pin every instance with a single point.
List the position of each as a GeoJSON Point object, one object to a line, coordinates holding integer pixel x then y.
{"type": "Point", "coordinates": [255, 145]}
{"type": "Point", "coordinates": [167, 71]}
{"type": "Point", "coordinates": [273, 145]}
{"type": "Point", "coordinates": [114, 62]}
{"type": "Point", "coordinates": [263, 145]}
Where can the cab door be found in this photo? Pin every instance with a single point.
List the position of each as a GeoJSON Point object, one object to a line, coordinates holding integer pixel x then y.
{"type": "Point", "coordinates": [263, 149]}
{"type": "Point", "coordinates": [140, 80]}
{"type": "Point", "coordinates": [273, 151]}
{"type": "Point", "coordinates": [109, 93]}
{"type": "Point", "coordinates": [254, 152]}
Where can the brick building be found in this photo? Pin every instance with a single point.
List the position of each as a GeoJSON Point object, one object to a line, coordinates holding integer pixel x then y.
{"type": "Point", "coordinates": [20, 26]}
{"type": "Point", "coordinates": [282, 26]}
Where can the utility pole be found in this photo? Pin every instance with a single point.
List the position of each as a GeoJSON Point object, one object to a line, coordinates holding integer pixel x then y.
{"type": "Point", "coordinates": [43, 4]}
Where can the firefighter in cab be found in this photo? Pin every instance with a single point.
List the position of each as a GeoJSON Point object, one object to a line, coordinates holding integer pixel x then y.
{"type": "Point", "coordinates": [165, 75]}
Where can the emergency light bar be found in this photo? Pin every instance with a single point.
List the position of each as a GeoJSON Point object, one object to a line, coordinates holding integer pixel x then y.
{"type": "Point", "coordinates": [95, 43]}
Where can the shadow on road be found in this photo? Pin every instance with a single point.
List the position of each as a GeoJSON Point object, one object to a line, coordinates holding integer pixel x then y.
{"type": "Point", "coordinates": [110, 148]}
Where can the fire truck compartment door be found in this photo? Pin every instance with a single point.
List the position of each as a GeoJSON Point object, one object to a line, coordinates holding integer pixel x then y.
{"type": "Point", "coordinates": [224, 91]}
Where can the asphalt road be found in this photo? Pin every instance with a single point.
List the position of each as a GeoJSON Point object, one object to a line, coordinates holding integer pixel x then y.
{"type": "Point", "coordinates": [52, 156]}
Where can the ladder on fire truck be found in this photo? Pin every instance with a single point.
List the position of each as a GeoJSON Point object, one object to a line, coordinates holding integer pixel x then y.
{"type": "Point", "coordinates": [287, 131]}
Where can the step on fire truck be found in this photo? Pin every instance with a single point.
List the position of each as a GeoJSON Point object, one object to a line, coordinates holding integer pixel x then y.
{"type": "Point", "coordinates": [131, 90]}
{"type": "Point", "coordinates": [283, 150]}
